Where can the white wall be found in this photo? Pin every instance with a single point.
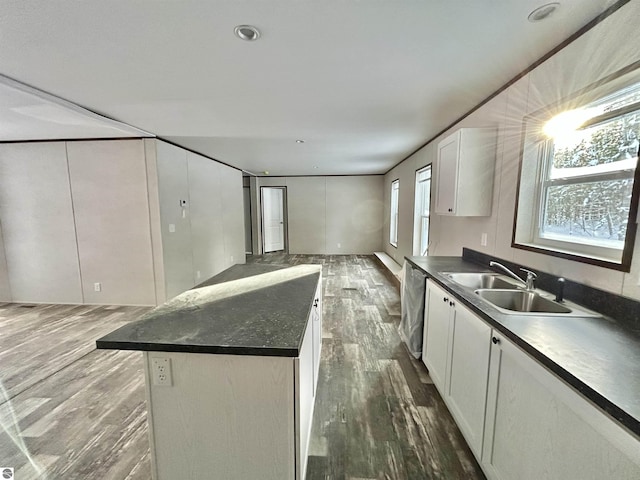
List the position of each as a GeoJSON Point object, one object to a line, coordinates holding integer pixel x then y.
{"type": "Point", "coordinates": [79, 213]}
{"type": "Point", "coordinates": [5, 287]}
{"type": "Point", "coordinates": [208, 233]}
{"type": "Point", "coordinates": [609, 46]}
{"type": "Point", "coordinates": [173, 186]}
{"type": "Point", "coordinates": [323, 212]}
{"type": "Point", "coordinates": [75, 214]}
{"type": "Point", "coordinates": [109, 189]}
{"type": "Point", "coordinates": [38, 224]}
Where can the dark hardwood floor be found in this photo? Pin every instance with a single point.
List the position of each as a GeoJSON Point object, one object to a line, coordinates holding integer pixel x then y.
{"type": "Point", "coordinates": [79, 413]}
{"type": "Point", "coordinates": [377, 414]}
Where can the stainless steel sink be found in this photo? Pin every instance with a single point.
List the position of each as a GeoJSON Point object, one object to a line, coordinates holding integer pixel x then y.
{"type": "Point", "coordinates": [522, 301]}
{"type": "Point", "coordinates": [476, 281]}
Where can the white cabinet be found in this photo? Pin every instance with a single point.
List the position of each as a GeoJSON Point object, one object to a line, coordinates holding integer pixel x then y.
{"type": "Point", "coordinates": [465, 167]}
{"type": "Point", "coordinates": [537, 427]}
{"type": "Point", "coordinates": [466, 390]}
{"type": "Point", "coordinates": [438, 319]}
{"type": "Point", "coordinates": [235, 417]}
{"type": "Point", "coordinates": [316, 321]}
{"type": "Point", "coordinates": [457, 356]}
{"type": "Point", "coordinates": [308, 370]}
{"type": "Point", "coordinates": [305, 376]}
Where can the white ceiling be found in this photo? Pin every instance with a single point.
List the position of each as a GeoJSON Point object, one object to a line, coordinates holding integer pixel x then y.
{"type": "Point", "coordinates": [29, 114]}
{"type": "Point", "coordinates": [364, 83]}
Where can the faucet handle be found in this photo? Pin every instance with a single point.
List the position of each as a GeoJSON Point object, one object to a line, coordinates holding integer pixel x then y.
{"type": "Point", "coordinates": [529, 273]}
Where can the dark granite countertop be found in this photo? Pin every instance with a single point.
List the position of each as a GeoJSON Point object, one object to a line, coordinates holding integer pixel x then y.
{"type": "Point", "coordinates": [245, 310]}
{"type": "Point", "coordinates": [598, 356]}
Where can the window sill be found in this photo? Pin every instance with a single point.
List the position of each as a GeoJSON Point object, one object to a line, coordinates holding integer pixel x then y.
{"type": "Point", "coordinates": [576, 257]}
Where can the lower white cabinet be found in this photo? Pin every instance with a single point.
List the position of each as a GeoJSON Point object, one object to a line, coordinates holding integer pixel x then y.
{"type": "Point", "coordinates": [537, 427]}
{"type": "Point", "coordinates": [466, 386]}
{"type": "Point", "coordinates": [438, 319]}
{"type": "Point", "coordinates": [457, 356]}
{"type": "Point", "coordinates": [519, 419]}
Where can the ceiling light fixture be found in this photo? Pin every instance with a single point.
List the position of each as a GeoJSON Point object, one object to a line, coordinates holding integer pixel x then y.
{"type": "Point", "coordinates": [543, 12]}
{"type": "Point", "coordinates": [247, 32]}
{"type": "Point", "coordinates": [299, 141]}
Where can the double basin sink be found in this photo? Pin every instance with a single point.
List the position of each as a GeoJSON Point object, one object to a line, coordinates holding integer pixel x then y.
{"type": "Point", "coordinates": [509, 297]}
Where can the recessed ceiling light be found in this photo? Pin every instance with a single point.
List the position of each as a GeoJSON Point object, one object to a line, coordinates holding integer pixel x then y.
{"type": "Point", "coordinates": [315, 166]}
{"type": "Point", "coordinates": [247, 32]}
{"type": "Point", "coordinates": [266, 172]}
{"type": "Point", "coordinates": [299, 141]}
{"type": "Point", "coordinates": [543, 12]}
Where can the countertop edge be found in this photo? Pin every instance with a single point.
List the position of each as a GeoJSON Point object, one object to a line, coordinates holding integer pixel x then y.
{"type": "Point", "coordinates": [625, 419]}
{"type": "Point", "coordinates": [205, 349]}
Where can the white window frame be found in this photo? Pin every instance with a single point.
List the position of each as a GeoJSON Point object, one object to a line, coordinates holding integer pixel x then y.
{"type": "Point", "coordinates": [538, 157]}
{"type": "Point", "coordinates": [393, 220]}
{"type": "Point", "coordinates": [421, 216]}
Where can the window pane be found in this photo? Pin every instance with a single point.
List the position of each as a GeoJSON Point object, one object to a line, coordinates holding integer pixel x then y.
{"type": "Point", "coordinates": [424, 235]}
{"type": "Point", "coordinates": [595, 212]}
{"type": "Point", "coordinates": [393, 221]}
{"type": "Point", "coordinates": [620, 99]}
{"type": "Point", "coordinates": [426, 197]}
{"type": "Point", "coordinates": [602, 148]}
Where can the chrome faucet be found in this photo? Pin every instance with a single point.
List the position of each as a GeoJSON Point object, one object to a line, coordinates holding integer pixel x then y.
{"type": "Point", "coordinates": [528, 283]}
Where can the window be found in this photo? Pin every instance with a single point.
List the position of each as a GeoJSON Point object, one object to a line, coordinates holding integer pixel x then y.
{"type": "Point", "coordinates": [421, 214]}
{"type": "Point", "coordinates": [393, 229]}
{"type": "Point", "coordinates": [581, 201]}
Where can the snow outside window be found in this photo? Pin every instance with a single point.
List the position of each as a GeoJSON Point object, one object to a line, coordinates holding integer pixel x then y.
{"type": "Point", "coordinates": [582, 199]}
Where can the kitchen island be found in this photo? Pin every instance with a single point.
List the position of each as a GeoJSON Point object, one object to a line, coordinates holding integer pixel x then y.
{"type": "Point", "coordinates": [231, 370]}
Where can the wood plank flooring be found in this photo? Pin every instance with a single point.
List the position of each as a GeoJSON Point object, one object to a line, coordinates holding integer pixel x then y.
{"type": "Point", "coordinates": [67, 410]}
{"type": "Point", "coordinates": [79, 413]}
{"type": "Point", "coordinates": [377, 414]}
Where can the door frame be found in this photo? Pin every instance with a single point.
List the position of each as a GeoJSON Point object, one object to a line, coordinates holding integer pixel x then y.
{"type": "Point", "coordinates": [285, 217]}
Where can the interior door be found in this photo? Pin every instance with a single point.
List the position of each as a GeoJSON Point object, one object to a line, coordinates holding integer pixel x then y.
{"type": "Point", "coordinates": [273, 218]}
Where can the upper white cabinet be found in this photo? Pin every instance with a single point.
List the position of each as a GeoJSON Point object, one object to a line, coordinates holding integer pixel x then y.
{"type": "Point", "coordinates": [465, 168]}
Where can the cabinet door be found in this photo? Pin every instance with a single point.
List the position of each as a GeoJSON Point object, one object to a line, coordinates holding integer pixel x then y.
{"type": "Point", "coordinates": [437, 335]}
{"type": "Point", "coordinates": [447, 175]}
{"type": "Point", "coordinates": [537, 427]}
{"type": "Point", "coordinates": [468, 374]}
{"type": "Point", "coordinates": [316, 320]}
{"type": "Point", "coordinates": [304, 400]}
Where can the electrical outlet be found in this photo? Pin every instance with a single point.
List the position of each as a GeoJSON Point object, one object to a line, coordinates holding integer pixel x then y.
{"type": "Point", "coordinates": [97, 287]}
{"type": "Point", "coordinates": [483, 240]}
{"type": "Point", "coordinates": [161, 371]}
{"type": "Point", "coordinates": [339, 245]}
{"type": "Point", "coordinates": [172, 228]}
{"type": "Point", "coordinates": [231, 258]}
{"type": "Point", "coordinates": [197, 273]}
